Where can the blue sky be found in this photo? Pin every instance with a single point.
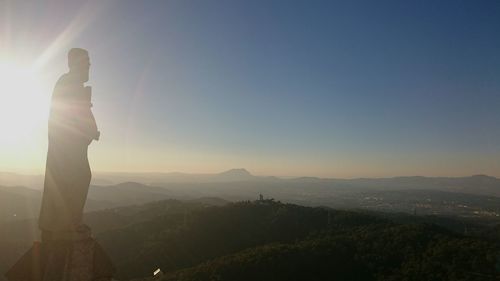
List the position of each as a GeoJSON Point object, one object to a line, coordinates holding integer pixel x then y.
{"type": "Point", "coordinates": [322, 88]}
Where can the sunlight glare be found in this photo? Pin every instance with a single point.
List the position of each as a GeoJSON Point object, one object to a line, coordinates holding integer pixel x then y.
{"type": "Point", "coordinates": [24, 103]}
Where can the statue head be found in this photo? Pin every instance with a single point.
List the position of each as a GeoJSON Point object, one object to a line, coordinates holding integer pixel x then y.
{"type": "Point", "coordinates": [79, 63]}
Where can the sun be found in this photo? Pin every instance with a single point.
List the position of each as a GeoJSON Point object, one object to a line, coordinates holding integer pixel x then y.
{"type": "Point", "coordinates": [24, 103]}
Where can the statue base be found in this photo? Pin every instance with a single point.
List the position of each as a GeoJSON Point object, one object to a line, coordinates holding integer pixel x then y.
{"type": "Point", "coordinates": [63, 260]}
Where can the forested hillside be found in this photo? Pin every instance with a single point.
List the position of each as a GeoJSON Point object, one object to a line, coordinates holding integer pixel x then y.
{"type": "Point", "coordinates": [366, 253]}
{"type": "Point", "coordinates": [211, 239]}
{"type": "Point", "coordinates": [267, 240]}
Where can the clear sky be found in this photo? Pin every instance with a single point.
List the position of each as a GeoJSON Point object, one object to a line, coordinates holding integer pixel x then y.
{"type": "Point", "coordinates": [287, 88]}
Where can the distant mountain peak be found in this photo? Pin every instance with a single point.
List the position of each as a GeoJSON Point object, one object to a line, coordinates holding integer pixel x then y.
{"type": "Point", "coordinates": [240, 172]}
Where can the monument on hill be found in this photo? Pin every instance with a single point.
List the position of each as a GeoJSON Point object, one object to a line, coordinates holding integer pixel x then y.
{"type": "Point", "coordinates": [67, 251]}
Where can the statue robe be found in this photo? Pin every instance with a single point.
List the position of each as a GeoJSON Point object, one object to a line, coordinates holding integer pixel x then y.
{"type": "Point", "coordinates": [67, 176]}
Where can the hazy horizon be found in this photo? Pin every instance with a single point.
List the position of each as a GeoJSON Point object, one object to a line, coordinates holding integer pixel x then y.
{"type": "Point", "coordinates": [318, 88]}
{"type": "Point", "coordinates": [41, 173]}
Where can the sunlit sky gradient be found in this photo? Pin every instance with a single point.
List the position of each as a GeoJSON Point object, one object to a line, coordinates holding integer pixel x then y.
{"type": "Point", "coordinates": [287, 88]}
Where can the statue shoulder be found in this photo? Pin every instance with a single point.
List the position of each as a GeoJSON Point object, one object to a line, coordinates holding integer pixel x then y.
{"type": "Point", "coordinates": [64, 85]}
{"type": "Point", "coordinates": [65, 79]}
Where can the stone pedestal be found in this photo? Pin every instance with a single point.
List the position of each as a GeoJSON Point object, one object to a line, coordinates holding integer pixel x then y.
{"type": "Point", "coordinates": [80, 259]}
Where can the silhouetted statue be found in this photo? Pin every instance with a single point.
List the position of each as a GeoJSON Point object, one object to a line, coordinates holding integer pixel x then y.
{"type": "Point", "coordinates": [72, 128]}
{"type": "Point", "coordinates": [67, 251]}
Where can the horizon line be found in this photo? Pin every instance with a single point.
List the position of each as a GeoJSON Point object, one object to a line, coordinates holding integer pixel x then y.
{"type": "Point", "coordinates": [260, 175]}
